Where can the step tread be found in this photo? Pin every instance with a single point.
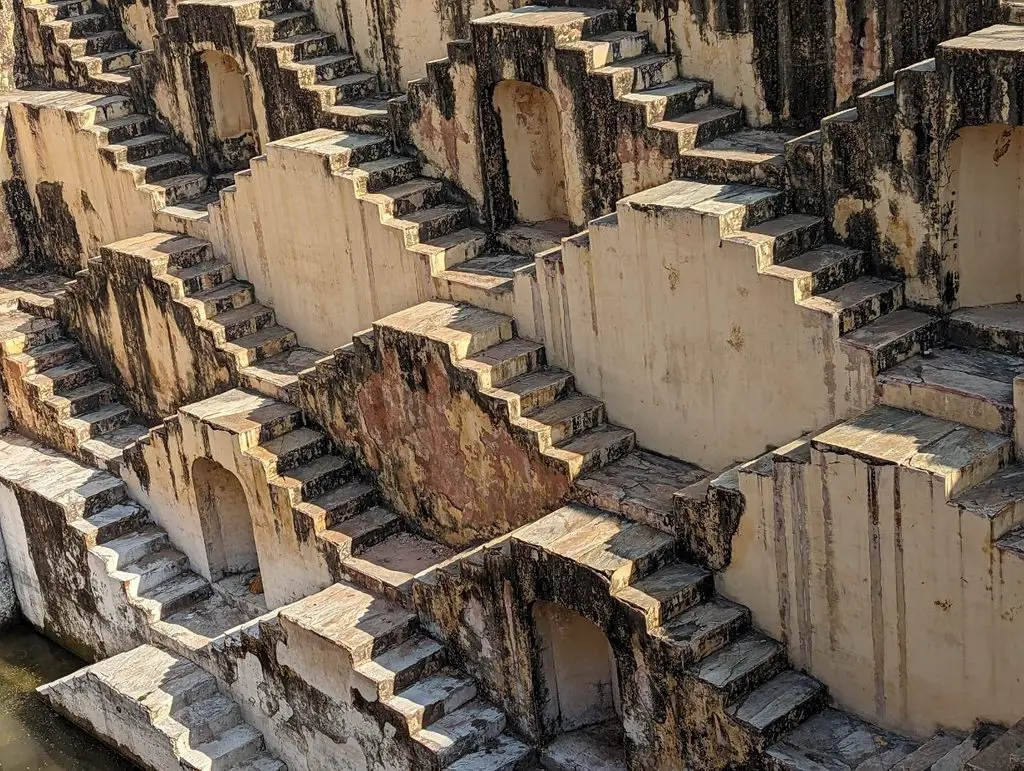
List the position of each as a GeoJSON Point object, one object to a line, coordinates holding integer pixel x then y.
{"type": "Point", "coordinates": [976, 373]}
{"type": "Point", "coordinates": [752, 145]}
{"type": "Point", "coordinates": [461, 725]}
{"type": "Point", "coordinates": [851, 294]}
{"type": "Point", "coordinates": [503, 754]}
{"type": "Point", "coordinates": [112, 444]}
{"type": "Point", "coordinates": [357, 527]}
{"type": "Point", "coordinates": [738, 659]}
{"type": "Point", "coordinates": [776, 699]}
{"type": "Point", "coordinates": [891, 327]}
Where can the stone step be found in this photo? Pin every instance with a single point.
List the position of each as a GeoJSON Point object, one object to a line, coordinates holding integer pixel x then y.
{"type": "Point", "coordinates": [458, 734]}
{"type": "Point", "coordinates": [703, 629]}
{"type": "Point", "coordinates": [358, 532]}
{"type": "Point", "coordinates": [277, 376]}
{"type": "Point", "coordinates": [289, 23]}
{"type": "Point", "coordinates": [406, 197]}
{"type": "Point", "coordinates": [327, 67]}
{"type": "Point", "coordinates": [563, 419]}
{"type": "Point", "coordinates": [109, 61]}
{"type": "Point", "coordinates": [63, 378]}
{"type": "Point", "coordinates": [819, 270]}
{"type": "Point", "coordinates": [144, 146]}
{"type": "Point", "coordinates": [465, 329]}
{"type": "Point", "coordinates": [111, 82]}
{"type": "Point", "coordinates": [236, 745]}
{"type": "Point", "coordinates": [436, 221]}
{"type": "Point", "coordinates": [131, 547]}
{"type": "Point", "coordinates": [157, 567]}
{"type": "Point", "coordinates": [741, 666]}
{"type": "Point", "coordinates": [533, 391]}
{"type": "Point", "coordinates": [503, 754]}
{"type": "Point", "coordinates": [791, 235]}
{"type": "Point", "coordinates": [533, 238]}
{"type": "Point", "coordinates": [317, 477]}
{"type": "Point", "coordinates": [925, 756]}
{"type": "Point", "coordinates": [288, 451]}
{"type": "Point", "coordinates": [452, 249]}
{"type": "Point", "coordinates": [240, 322]}
{"type": "Point", "coordinates": [182, 188]}
{"type": "Point", "coordinates": [999, 499]}
{"type": "Point", "coordinates": [47, 356]}
{"type": "Point", "coordinates": [388, 172]}
{"type": "Point", "coordinates": [390, 567]}
{"type": "Point", "coordinates": [100, 42]}
{"type": "Point", "coordinates": [169, 251]}
{"type": "Point", "coordinates": [640, 72]}
{"type": "Point", "coordinates": [207, 718]}
{"type": "Point", "coordinates": [106, 451]}
{"type": "Point", "coordinates": [894, 337]}
{"type": "Point", "coordinates": [960, 456]}
{"type": "Point", "coordinates": [362, 625]}
{"type": "Point", "coordinates": [751, 156]}
{"type": "Point", "coordinates": [308, 45]}
{"type": "Point", "coordinates": [363, 115]}
{"type": "Point", "coordinates": [858, 302]}
{"type": "Point", "coordinates": [969, 386]}
{"type": "Point", "coordinates": [490, 275]}
{"type": "Point", "coordinates": [958, 758]}
{"type": "Point", "coordinates": [585, 750]}
{"type": "Point", "coordinates": [99, 422]}
{"type": "Point", "coordinates": [352, 88]}
{"type": "Point", "coordinates": [20, 331]}
{"type": "Point", "coordinates": [640, 486]}
{"type": "Point", "coordinates": [261, 761]}
{"type": "Point", "coordinates": [835, 741]}
{"type": "Point", "coordinates": [259, 346]}
{"type": "Point", "coordinates": [338, 505]}
{"type": "Point", "coordinates": [1004, 753]}
{"type": "Point", "coordinates": [87, 24]}
{"type": "Point", "coordinates": [998, 328]}
{"type": "Point", "coordinates": [667, 101]}
{"type": "Point", "coordinates": [593, 449]}
{"type": "Point", "coordinates": [781, 704]}
{"type": "Point", "coordinates": [620, 550]}
{"type": "Point", "coordinates": [203, 275]}
{"type": "Point", "coordinates": [176, 593]}
{"type": "Point", "coordinates": [505, 362]}
{"type": "Point", "coordinates": [119, 130]}
{"type": "Point", "coordinates": [701, 126]}
{"type": "Point", "coordinates": [666, 593]}
{"type": "Point", "coordinates": [113, 522]}
{"type": "Point", "coordinates": [430, 699]}
{"type": "Point", "coordinates": [1012, 542]}
{"type": "Point", "coordinates": [604, 49]}
{"type": "Point", "coordinates": [225, 296]}
{"type": "Point", "coordinates": [398, 668]}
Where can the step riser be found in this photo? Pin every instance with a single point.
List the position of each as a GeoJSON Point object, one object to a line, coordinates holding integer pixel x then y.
{"type": "Point", "coordinates": [150, 149]}
{"type": "Point", "coordinates": [365, 124]}
{"type": "Point", "coordinates": [380, 179]}
{"type": "Point", "coordinates": [371, 538]}
{"type": "Point", "coordinates": [303, 455]}
{"type": "Point", "coordinates": [168, 169]}
{"type": "Point", "coordinates": [71, 10]}
{"type": "Point", "coordinates": [798, 242]}
{"type": "Point", "coordinates": [353, 92]}
{"type": "Point", "coordinates": [141, 549]}
{"type": "Point", "coordinates": [724, 171]}
{"type": "Point", "coordinates": [237, 755]}
{"type": "Point", "coordinates": [238, 299]}
{"type": "Point", "coordinates": [103, 43]}
{"type": "Point", "coordinates": [431, 713]}
{"type": "Point", "coordinates": [185, 190]}
{"type": "Point", "coordinates": [967, 335]}
{"type": "Point", "coordinates": [156, 576]}
{"type": "Point", "coordinates": [295, 25]}
{"type": "Point", "coordinates": [338, 69]}
{"type": "Point", "coordinates": [423, 199]}
{"type": "Point", "coordinates": [69, 381]}
{"type": "Point", "coordinates": [678, 104]}
{"type": "Point", "coordinates": [324, 483]}
{"type": "Point", "coordinates": [82, 405]}
{"type": "Point", "coordinates": [957, 408]}
{"type": "Point", "coordinates": [542, 397]}
{"type": "Point", "coordinates": [111, 530]}
{"type": "Point", "coordinates": [81, 28]}
{"type": "Point", "coordinates": [248, 327]}
{"type": "Point", "coordinates": [571, 426]}
{"type": "Point", "coordinates": [206, 732]}
{"type": "Point", "coordinates": [46, 360]}
{"type": "Point", "coordinates": [372, 151]}
{"type": "Point", "coordinates": [870, 309]}
{"type": "Point", "coordinates": [129, 131]}
{"type": "Point", "coordinates": [508, 370]}
{"type": "Point", "coordinates": [271, 347]}
{"type": "Point", "coordinates": [310, 49]}
{"type": "Point", "coordinates": [172, 606]}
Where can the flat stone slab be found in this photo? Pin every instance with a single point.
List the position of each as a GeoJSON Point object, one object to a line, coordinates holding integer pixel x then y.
{"type": "Point", "coordinates": [590, 749]}
{"type": "Point", "coordinates": [464, 328]}
{"type": "Point", "coordinates": [239, 411]}
{"type": "Point", "coordinates": [837, 740]}
{"type": "Point", "coordinates": [641, 486]}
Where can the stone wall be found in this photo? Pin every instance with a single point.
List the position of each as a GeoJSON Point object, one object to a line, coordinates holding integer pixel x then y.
{"type": "Point", "coordinates": [795, 62]}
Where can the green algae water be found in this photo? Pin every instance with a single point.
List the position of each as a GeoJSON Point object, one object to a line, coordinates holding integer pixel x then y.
{"type": "Point", "coordinates": [32, 737]}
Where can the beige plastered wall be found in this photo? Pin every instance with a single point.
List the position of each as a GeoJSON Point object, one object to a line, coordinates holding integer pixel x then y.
{"type": "Point", "coordinates": [905, 609]}
{"type": "Point", "coordinates": [687, 343]}
{"type": "Point", "coordinates": [105, 203]}
{"type": "Point", "coordinates": [985, 165]}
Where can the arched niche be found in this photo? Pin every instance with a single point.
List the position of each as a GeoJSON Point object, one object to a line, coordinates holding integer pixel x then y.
{"type": "Point", "coordinates": [578, 670]}
{"type": "Point", "coordinates": [531, 134]}
{"type": "Point", "coordinates": [225, 519]}
{"type": "Point", "coordinates": [984, 191]}
{"type": "Point", "coordinates": [225, 111]}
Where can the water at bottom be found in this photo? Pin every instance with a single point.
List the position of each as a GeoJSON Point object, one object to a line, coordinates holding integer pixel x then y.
{"type": "Point", "coordinates": [32, 737]}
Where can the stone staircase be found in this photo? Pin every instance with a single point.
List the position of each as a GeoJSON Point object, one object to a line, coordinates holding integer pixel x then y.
{"type": "Point", "coordinates": [512, 379]}
{"type": "Point", "coordinates": [332, 506]}
{"type": "Point", "coordinates": [54, 391]}
{"type": "Point", "coordinates": [403, 676]}
{"type": "Point", "coordinates": [315, 81]}
{"type": "Point", "coordinates": [83, 46]}
{"type": "Point", "coordinates": [261, 354]}
{"type": "Point", "coordinates": [742, 673]}
{"type": "Point", "coordinates": [161, 711]}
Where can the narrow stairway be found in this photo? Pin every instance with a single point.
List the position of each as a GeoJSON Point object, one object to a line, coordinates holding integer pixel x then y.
{"type": "Point", "coordinates": [163, 711]}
